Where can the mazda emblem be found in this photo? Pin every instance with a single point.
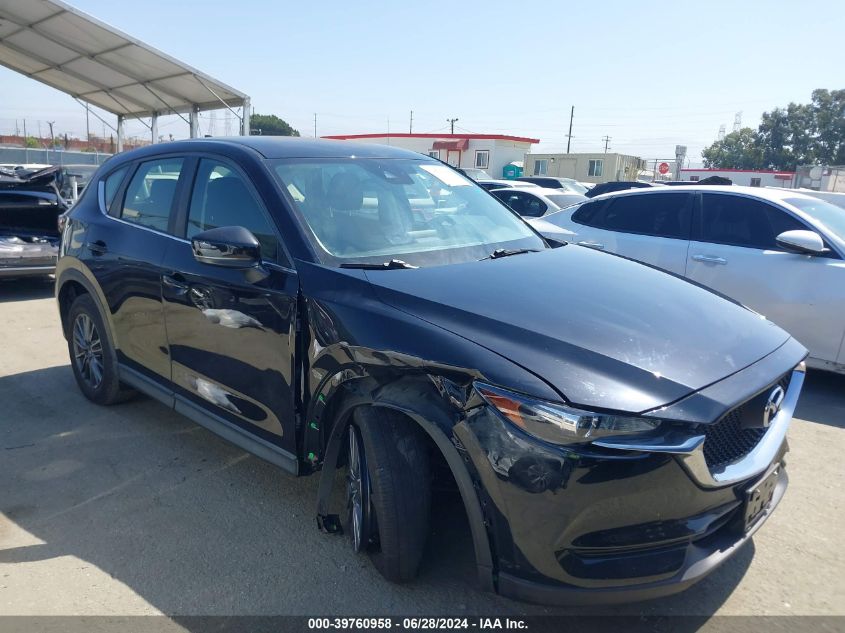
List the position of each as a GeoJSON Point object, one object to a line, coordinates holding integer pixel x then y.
{"type": "Point", "coordinates": [772, 405]}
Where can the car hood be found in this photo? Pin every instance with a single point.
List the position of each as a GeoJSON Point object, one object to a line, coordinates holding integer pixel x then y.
{"type": "Point", "coordinates": [604, 331]}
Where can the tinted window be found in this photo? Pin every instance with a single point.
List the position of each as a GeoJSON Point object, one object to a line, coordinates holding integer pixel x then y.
{"type": "Point", "coordinates": [151, 192]}
{"type": "Point", "coordinates": [523, 203]}
{"type": "Point", "coordinates": [740, 221]}
{"type": "Point", "coordinates": [586, 212]}
{"type": "Point", "coordinates": [111, 185]}
{"type": "Point", "coordinates": [221, 198]}
{"type": "Point", "coordinates": [659, 215]}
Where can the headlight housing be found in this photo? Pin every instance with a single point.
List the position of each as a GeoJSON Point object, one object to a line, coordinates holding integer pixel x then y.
{"type": "Point", "coordinates": [559, 423]}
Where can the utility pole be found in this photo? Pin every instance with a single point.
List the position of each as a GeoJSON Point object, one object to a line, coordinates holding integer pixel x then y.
{"type": "Point", "coordinates": [411, 126]}
{"type": "Point", "coordinates": [88, 127]}
{"type": "Point", "coordinates": [569, 136]}
{"type": "Point", "coordinates": [606, 140]}
{"type": "Point", "coordinates": [452, 123]}
{"type": "Point", "coordinates": [52, 138]}
{"type": "Point", "coordinates": [315, 125]}
{"type": "Point", "coordinates": [25, 144]}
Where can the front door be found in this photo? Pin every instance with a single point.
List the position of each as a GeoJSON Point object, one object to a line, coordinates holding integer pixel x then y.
{"type": "Point", "coordinates": [231, 334]}
{"type": "Point", "coordinates": [734, 251]}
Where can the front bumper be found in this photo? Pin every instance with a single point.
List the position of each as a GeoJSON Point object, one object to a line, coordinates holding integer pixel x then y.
{"type": "Point", "coordinates": [603, 524]}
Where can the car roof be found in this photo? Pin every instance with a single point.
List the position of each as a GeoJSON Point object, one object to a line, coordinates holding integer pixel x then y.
{"type": "Point", "coordinates": [282, 147]}
{"type": "Point", "coordinates": [774, 195]}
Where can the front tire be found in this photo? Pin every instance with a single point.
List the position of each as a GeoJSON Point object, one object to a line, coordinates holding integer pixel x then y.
{"type": "Point", "coordinates": [92, 356]}
{"type": "Point", "coordinates": [393, 525]}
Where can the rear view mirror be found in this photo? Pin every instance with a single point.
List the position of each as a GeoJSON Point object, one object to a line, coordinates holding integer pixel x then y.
{"type": "Point", "coordinates": [804, 242]}
{"type": "Point", "coordinates": [227, 246]}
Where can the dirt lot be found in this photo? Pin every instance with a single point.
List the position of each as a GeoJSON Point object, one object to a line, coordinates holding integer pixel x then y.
{"type": "Point", "coordinates": [135, 510]}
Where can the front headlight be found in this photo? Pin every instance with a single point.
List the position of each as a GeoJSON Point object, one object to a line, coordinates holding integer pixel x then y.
{"type": "Point", "coordinates": [559, 423]}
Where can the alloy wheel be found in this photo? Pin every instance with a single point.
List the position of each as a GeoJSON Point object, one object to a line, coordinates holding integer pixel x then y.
{"type": "Point", "coordinates": [88, 350]}
{"type": "Point", "coordinates": [358, 492]}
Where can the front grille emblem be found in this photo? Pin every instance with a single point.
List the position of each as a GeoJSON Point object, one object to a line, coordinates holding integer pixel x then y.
{"type": "Point", "coordinates": [772, 405]}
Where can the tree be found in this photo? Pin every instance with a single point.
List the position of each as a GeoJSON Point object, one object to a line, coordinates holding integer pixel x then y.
{"type": "Point", "coordinates": [31, 141]}
{"type": "Point", "coordinates": [738, 150]}
{"type": "Point", "coordinates": [271, 125]}
{"type": "Point", "coordinates": [799, 134]}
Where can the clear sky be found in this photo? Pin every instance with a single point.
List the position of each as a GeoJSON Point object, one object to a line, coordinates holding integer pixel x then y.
{"type": "Point", "coordinates": [648, 74]}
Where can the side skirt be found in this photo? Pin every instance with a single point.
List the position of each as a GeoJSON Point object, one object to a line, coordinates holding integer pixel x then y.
{"type": "Point", "coordinates": [214, 423]}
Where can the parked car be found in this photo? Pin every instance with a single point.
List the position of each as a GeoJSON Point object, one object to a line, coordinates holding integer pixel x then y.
{"type": "Point", "coordinates": [619, 185]}
{"type": "Point", "coordinates": [505, 184]}
{"type": "Point", "coordinates": [535, 202]}
{"type": "Point", "coordinates": [615, 433]}
{"type": "Point", "coordinates": [81, 174]}
{"type": "Point", "coordinates": [549, 182]}
{"type": "Point", "coordinates": [474, 173]}
{"type": "Point", "coordinates": [30, 205]}
{"type": "Point", "coordinates": [775, 250]}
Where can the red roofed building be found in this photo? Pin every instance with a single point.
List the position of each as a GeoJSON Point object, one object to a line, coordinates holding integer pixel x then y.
{"type": "Point", "coordinates": [490, 152]}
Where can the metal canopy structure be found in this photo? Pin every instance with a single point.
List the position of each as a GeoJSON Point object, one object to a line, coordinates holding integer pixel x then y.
{"type": "Point", "coordinates": [58, 45]}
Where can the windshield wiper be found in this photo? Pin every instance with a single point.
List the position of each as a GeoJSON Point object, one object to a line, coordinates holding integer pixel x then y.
{"type": "Point", "coordinates": [393, 264]}
{"type": "Point", "coordinates": [503, 252]}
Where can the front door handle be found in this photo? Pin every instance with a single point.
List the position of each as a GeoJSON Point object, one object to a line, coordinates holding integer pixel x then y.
{"type": "Point", "coordinates": [591, 244]}
{"type": "Point", "coordinates": [176, 283]}
{"type": "Point", "coordinates": [710, 259]}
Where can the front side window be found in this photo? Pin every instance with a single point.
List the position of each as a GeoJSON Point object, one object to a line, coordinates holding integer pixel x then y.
{"type": "Point", "coordinates": [151, 193]}
{"type": "Point", "coordinates": [221, 197]}
{"type": "Point", "coordinates": [595, 167]}
{"type": "Point", "coordinates": [482, 158]}
{"type": "Point", "coordinates": [360, 210]}
{"type": "Point", "coordinates": [740, 221]}
{"type": "Point", "coordinates": [541, 166]}
{"type": "Point", "coordinates": [664, 215]}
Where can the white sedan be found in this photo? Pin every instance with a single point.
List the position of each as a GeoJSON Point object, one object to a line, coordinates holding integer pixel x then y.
{"type": "Point", "coordinates": [777, 251]}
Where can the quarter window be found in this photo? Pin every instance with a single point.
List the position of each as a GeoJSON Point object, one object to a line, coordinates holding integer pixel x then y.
{"type": "Point", "coordinates": [111, 185]}
{"type": "Point", "coordinates": [595, 167]}
{"type": "Point", "coordinates": [741, 221]}
{"type": "Point", "coordinates": [151, 193]}
{"type": "Point", "coordinates": [221, 197]}
{"type": "Point", "coordinates": [482, 158]}
{"type": "Point", "coordinates": [541, 167]}
{"type": "Point", "coordinates": [661, 215]}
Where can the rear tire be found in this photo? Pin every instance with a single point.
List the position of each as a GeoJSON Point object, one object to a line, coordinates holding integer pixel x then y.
{"type": "Point", "coordinates": [399, 501]}
{"type": "Point", "coordinates": [92, 356]}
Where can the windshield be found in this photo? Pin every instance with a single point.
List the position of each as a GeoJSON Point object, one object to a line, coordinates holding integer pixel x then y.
{"type": "Point", "coordinates": [827, 215]}
{"type": "Point", "coordinates": [574, 185]}
{"type": "Point", "coordinates": [359, 210]}
{"type": "Point", "coordinates": [476, 174]}
{"type": "Point", "coordinates": [563, 200]}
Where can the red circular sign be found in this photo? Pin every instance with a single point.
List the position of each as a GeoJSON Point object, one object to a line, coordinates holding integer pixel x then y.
{"type": "Point", "coordinates": [664, 168]}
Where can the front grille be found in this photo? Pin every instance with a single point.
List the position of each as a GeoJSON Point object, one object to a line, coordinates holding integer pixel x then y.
{"type": "Point", "coordinates": [728, 440]}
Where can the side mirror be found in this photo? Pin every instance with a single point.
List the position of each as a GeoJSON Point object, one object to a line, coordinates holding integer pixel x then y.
{"type": "Point", "coordinates": [228, 246]}
{"type": "Point", "coordinates": [803, 242]}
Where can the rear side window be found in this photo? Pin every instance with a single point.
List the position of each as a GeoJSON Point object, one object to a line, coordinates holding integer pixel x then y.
{"type": "Point", "coordinates": [222, 198]}
{"type": "Point", "coordinates": [586, 212]}
{"type": "Point", "coordinates": [111, 185]}
{"type": "Point", "coordinates": [662, 215]}
{"type": "Point", "coordinates": [523, 203]}
{"type": "Point", "coordinates": [741, 221]}
{"type": "Point", "coordinates": [151, 193]}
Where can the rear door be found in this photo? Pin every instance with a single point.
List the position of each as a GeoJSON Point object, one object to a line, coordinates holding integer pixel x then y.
{"type": "Point", "coordinates": [651, 228]}
{"type": "Point", "coordinates": [125, 254]}
{"type": "Point", "coordinates": [232, 336]}
{"type": "Point", "coordinates": [734, 251]}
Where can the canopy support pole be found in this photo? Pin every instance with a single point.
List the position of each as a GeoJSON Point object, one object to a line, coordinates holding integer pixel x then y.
{"type": "Point", "coordinates": [194, 123]}
{"type": "Point", "coordinates": [120, 132]}
{"type": "Point", "coordinates": [245, 117]}
{"type": "Point", "coordinates": [154, 126]}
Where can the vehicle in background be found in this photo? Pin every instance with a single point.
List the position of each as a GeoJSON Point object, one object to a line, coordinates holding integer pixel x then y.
{"type": "Point", "coordinates": [551, 182]}
{"type": "Point", "coordinates": [535, 202]}
{"type": "Point", "coordinates": [586, 185]}
{"type": "Point", "coordinates": [619, 185]}
{"type": "Point", "coordinates": [474, 173]}
{"type": "Point", "coordinates": [504, 184]}
{"type": "Point", "coordinates": [81, 175]}
{"type": "Point", "coordinates": [30, 205]}
{"type": "Point", "coordinates": [777, 251]}
{"type": "Point", "coordinates": [610, 437]}
{"type": "Point", "coordinates": [833, 197]}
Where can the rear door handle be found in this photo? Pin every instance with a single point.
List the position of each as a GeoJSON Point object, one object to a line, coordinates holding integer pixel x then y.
{"type": "Point", "coordinates": [176, 283]}
{"type": "Point", "coordinates": [98, 248]}
{"type": "Point", "coordinates": [591, 244]}
{"type": "Point", "coordinates": [710, 259]}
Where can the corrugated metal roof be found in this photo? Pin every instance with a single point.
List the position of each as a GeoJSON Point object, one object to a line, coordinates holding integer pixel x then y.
{"type": "Point", "coordinates": [58, 45]}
